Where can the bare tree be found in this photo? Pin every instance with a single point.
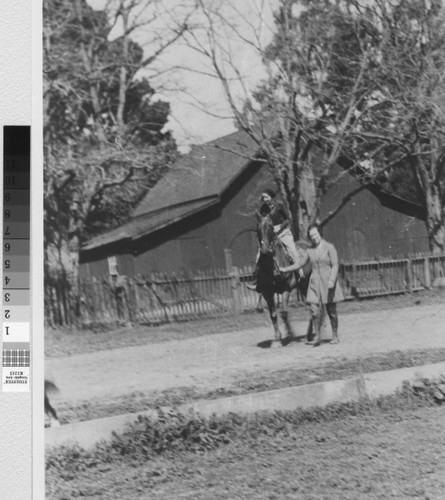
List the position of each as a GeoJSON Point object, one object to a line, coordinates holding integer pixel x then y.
{"type": "Point", "coordinates": [291, 110]}
{"type": "Point", "coordinates": [325, 98]}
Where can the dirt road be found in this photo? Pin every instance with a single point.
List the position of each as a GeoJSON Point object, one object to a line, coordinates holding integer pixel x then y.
{"type": "Point", "coordinates": [219, 360]}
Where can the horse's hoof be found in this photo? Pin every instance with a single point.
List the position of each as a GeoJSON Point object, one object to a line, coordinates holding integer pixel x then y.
{"type": "Point", "coordinates": [334, 341]}
{"type": "Point", "coordinates": [275, 344]}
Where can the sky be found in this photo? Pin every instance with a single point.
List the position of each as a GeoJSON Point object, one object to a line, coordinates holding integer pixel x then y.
{"type": "Point", "coordinates": [199, 109]}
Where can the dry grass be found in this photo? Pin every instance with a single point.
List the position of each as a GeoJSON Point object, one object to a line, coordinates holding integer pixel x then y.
{"type": "Point", "coordinates": [390, 448]}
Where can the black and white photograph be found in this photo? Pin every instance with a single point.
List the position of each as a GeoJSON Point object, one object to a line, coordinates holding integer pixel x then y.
{"type": "Point", "coordinates": [244, 249]}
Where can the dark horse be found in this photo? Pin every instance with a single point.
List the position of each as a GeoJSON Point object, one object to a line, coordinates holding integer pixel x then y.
{"type": "Point", "coordinates": [270, 281]}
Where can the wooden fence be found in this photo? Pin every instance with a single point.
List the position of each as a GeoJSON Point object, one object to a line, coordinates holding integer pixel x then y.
{"type": "Point", "coordinates": [158, 298]}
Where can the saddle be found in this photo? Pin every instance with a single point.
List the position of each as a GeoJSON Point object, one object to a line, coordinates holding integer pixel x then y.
{"type": "Point", "coordinates": [281, 257]}
{"type": "Point", "coordinates": [282, 280]}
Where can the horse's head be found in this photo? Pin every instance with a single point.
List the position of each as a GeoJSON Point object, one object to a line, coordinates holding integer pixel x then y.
{"type": "Point", "coordinates": [266, 235]}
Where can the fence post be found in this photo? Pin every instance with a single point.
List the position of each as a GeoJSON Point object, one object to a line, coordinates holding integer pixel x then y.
{"type": "Point", "coordinates": [354, 276]}
{"type": "Point", "coordinates": [229, 259]}
{"type": "Point", "coordinates": [235, 284]}
{"type": "Point", "coordinates": [426, 264]}
{"type": "Point", "coordinates": [409, 275]}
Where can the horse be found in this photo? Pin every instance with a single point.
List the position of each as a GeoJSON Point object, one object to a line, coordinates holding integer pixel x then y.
{"type": "Point", "coordinates": [271, 281]}
{"type": "Point", "coordinates": [49, 410]}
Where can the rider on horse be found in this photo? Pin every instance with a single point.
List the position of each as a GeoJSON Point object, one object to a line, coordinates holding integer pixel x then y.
{"type": "Point", "coordinates": [280, 217]}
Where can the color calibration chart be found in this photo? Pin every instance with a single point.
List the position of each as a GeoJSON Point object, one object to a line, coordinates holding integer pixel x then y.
{"type": "Point", "coordinates": [16, 299]}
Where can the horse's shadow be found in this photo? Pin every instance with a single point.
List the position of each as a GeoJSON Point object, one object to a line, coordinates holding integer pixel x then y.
{"type": "Point", "coordinates": [267, 344]}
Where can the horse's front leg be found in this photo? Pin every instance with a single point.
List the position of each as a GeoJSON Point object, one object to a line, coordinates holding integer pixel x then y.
{"type": "Point", "coordinates": [273, 314]}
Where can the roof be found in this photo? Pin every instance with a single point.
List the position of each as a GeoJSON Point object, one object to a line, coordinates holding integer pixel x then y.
{"type": "Point", "coordinates": [194, 183]}
{"type": "Point", "coordinates": [206, 171]}
{"type": "Point", "coordinates": [395, 202]}
{"type": "Point", "coordinates": [139, 226]}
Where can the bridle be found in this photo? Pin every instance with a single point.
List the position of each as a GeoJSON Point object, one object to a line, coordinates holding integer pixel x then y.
{"type": "Point", "coordinates": [269, 233]}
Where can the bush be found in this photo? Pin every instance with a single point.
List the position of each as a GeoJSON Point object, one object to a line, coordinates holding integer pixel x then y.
{"type": "Point", "coordinates": [174, 431]}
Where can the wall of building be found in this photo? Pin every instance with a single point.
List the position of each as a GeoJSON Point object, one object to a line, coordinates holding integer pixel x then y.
{"type": "Point", "coordinates": [365, 229]}
{"type": "Point", "coordinates": [362, 229]}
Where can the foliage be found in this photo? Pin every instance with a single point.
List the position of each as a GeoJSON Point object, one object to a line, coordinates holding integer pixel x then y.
{"type": "Point", "coordinates": [104, 138]}
{"type": "Point", "coordinates": [97, 165]}
{"type": "Point", "coordinates": [429, 390]}
{"type": "Point", "coordinates": [411, 91]}
{"type": "Point", "coordinates": [83, 82]}
{"type": "Point", "coordinates": [174, 432]}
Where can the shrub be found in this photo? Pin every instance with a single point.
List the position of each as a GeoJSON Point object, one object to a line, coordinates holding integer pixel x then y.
{"type": "Point", "coordinates": [174, 431]}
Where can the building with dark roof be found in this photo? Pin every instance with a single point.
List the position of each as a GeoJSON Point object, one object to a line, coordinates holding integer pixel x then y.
{"type": "Point", "coordinates": [206, 203]}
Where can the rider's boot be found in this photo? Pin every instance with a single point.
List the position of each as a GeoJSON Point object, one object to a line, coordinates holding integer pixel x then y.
{"type": "Point", "coordinates": [252, 285]}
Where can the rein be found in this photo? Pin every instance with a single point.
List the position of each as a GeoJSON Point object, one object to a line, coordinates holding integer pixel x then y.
{"type": "Point", "coordinates": [274, 241]}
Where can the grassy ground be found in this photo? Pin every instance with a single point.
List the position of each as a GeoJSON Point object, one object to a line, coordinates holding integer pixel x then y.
{"type": "Point", "coordinates": [66, 342]}
{"type": "Point", "coordinates": [331, 370]}
{"type": "Point", "coordinates": [390, 448]}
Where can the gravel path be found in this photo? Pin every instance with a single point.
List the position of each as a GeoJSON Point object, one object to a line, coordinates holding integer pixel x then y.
{"type": "Point", "coordinates": [218, 360]}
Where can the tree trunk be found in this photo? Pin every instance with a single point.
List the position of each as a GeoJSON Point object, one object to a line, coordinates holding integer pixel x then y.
{"type": "Point", "coordinates": [307, 206]}
{"type": "Point", "coordinates": [73, 274]}
{"type": "Point", "coordinates": [435, 222]}
{"type": "Point", "coordinates": [123, 74]}
{"type": "Point", "coordinates": [427, 176]}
